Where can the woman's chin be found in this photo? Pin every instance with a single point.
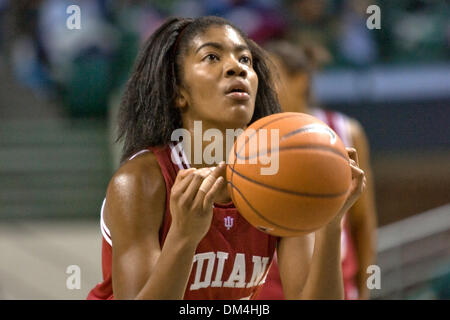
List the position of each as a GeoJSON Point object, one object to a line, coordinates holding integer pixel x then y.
{"type": "Point", "coordinates": [236, 123]}
{"type": "Point", "coordinates": [238, 116]}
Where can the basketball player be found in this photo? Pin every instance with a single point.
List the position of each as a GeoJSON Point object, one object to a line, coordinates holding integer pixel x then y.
{"type": "Point", "coordinates": [170, 230]}
{"type": "Point", "coordinates": [294, 66]}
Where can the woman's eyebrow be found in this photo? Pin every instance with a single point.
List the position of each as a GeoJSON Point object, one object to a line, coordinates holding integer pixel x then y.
{"type": "Point", "coordinates": [210, 44]}
{"type": "Point", "coordinates": [240, 47]}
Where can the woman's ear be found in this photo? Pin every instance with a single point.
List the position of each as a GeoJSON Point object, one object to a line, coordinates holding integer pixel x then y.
{"type": "Point", "coordinates": [181, 101]}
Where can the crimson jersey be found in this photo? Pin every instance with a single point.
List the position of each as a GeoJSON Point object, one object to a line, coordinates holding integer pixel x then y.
{"type": "Point", "coordinates": [272, 289]}
{"type": "Point", "coordinates": [230, 262]}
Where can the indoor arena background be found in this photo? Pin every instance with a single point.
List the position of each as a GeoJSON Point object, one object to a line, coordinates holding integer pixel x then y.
{"type": "Point", "coordinates": [60, 88]}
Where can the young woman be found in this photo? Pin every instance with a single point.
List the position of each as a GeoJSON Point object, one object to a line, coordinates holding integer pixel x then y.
{"type": "Point", "coordinates": [170, 230]}
{"type": "Point", "coordinates": [295, 67]}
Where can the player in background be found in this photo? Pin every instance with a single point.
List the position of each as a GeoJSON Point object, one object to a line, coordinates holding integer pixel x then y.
{"type": "Point", "coordinates": [295, 67]}
{"type": "Point", "coordinates": [165, 220]}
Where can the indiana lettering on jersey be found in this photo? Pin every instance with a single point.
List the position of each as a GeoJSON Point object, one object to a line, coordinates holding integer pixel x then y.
{"type": "Point", "coordinates": [237, 277]}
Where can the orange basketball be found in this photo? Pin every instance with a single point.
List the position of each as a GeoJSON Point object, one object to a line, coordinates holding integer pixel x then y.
{"type": "Point", "coordinates": [288, 174]}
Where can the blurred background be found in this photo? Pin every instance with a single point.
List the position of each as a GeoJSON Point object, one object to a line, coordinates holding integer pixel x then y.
{"type": "Point", "coordinates": [60, 88]}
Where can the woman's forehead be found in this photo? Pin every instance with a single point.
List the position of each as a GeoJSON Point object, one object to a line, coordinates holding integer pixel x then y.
{"type": "Point", "coordinates": [224, 35]}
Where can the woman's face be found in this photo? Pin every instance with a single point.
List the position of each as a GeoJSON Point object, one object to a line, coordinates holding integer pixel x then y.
{"type": "Point", "coordinates": [219, 84]}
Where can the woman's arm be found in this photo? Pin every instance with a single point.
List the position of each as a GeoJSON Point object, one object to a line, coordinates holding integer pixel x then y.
{"type": "Point", "coordinates": [310, 265]}
{"type": "Point", "coordinates": [294, 262]}
{"type": "Point", "coordinates": [325, 274]}
{"type": "Point", "coordinates": [362, 216]}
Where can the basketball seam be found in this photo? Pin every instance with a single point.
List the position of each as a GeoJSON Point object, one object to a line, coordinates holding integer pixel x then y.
{"type": "Point", "coordinates": [266, 124]}
{"type": "Point", "coordinates": [301, 194]}
{"type": "Point", "coordinates": [265, 218]}
{"type": "Point", "coordinates": [232, 172]}
{"type": "Point", "coordinates": [323, 148]}
{"type": "Point", "coordinates": [303, 129]}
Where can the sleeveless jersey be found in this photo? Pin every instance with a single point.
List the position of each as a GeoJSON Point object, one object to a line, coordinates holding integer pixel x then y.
{"type": "Point", "coordinates": [230, 262]}
{"type": "Point", "coordinates": [272, 289]}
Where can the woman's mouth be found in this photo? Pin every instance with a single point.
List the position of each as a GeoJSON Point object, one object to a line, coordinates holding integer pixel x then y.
{"type": "Point", "coordinates": [238, 95]}
{"type": "Point", "coordinates": [238, 90]}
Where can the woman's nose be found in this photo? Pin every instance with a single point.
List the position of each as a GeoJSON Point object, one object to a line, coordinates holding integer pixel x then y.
{"type": "Point", "coordinates": [234, 68]}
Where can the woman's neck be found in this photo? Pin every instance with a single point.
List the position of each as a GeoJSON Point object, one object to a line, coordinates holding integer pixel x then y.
{"type": "Point", "coordinates": [206, 145]}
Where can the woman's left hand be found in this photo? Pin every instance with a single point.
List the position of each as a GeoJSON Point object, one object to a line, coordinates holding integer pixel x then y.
{"type": "Point", "coordinates": [356, 187]}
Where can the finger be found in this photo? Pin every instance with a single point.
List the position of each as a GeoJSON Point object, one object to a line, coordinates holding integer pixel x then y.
{"type": "Point", "coordinates": [212, 194]}
{"type": "Point", "coordinates": [192, 189]}
{"type": "Point", "coordinates": [219, 170]}
{"type": "Point", "coordinates": [357, 172]}
{"type": "Point", "coordinates": [353, 155]}
{"type": "Point", "coordinates": [209, 182]}
{"type": "Point", "coordinates": [211, 178]}
{"type": "Point", "coordinates": [205, 171]}
{"type": "Point", "coordinates": [183, 174]}
{"type": "Point", "coordinates": [357, 177]}
{"type": "Point", "coordinates": [182, 181]}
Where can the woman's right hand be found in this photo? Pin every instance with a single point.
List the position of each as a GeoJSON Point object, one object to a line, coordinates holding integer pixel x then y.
{"type": "Point", "coordinates": [191, 201]}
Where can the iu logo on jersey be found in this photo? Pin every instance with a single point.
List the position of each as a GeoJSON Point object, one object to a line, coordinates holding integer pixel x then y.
{"type": "Point", "coordinates": [228, 221]}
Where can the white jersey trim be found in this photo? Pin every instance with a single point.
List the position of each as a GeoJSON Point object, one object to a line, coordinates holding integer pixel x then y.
{"type": "Point", "coordinates": [178, 156]}
{"type": "Point", "coordinates": [105, 231]}
{"type": "Point", "coordinates": [138, 153]}
{"type": "Point", "coordinates": [342, 124]}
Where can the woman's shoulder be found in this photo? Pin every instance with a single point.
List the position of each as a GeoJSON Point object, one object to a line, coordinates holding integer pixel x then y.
{"type": "Point", "coordinates": [140, 169]}
{"type": "Point", "coordinates": [141, 172]}
{"type": "Point", "coordinates": [136, 186]}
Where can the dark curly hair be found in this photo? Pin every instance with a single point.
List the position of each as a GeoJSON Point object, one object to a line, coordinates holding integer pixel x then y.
{"type": "Point", "coordinates": [147, 115]}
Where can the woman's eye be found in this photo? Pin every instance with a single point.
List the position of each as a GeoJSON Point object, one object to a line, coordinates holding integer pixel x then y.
{"type": "Point", "coordinates": [211, 57]}
{"type": "Point", "coordinates": [246, 60]}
